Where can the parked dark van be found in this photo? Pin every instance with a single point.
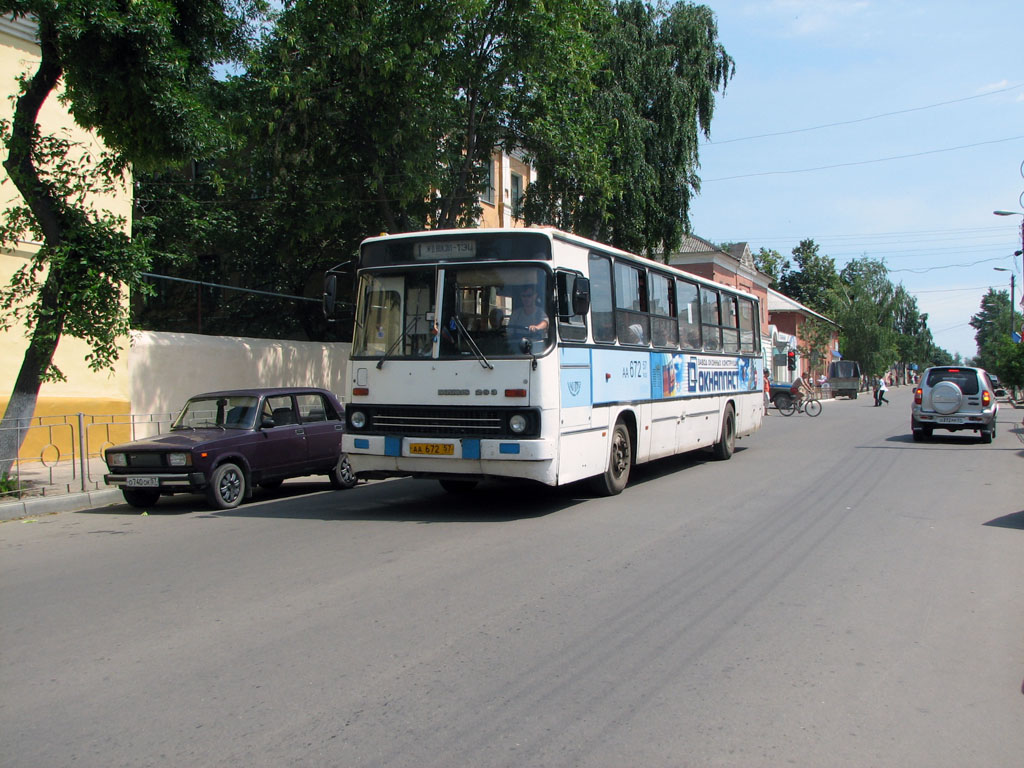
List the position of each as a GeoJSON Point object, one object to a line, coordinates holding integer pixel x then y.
{"type": "Point", "coordinates": [844, 378]}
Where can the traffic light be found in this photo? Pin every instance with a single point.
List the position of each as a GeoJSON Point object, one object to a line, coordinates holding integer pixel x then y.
{"type": "Point", "coordinates": [791, 360]}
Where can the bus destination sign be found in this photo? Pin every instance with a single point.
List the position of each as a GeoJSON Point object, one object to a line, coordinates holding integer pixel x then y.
{"type": "Point", "coordinates": [440, 250]}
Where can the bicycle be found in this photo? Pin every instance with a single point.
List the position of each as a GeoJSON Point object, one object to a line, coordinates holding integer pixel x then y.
{"type": "Point", "coordinates": [809, 405]}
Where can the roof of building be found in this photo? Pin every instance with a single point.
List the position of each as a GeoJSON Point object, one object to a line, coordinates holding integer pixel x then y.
{"type": "Point", "coordinates": [780, 302]}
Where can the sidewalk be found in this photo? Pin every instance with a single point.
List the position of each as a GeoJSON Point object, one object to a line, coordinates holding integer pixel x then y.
{"type": "Point", "coordinates": [58, 488]}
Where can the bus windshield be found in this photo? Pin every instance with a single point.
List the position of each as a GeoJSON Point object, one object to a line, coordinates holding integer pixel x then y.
{"type": "Point", "coordinates": [489, 309]}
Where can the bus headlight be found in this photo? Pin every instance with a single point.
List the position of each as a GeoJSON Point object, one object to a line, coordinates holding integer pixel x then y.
{"type": "Point", "coordinates": [517, 423]}
{"type": "Point", "coordinates": [357, 419]}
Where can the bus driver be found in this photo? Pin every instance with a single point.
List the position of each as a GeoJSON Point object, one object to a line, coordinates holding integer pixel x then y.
{"type": "Point", "coordinates": [528, 316]}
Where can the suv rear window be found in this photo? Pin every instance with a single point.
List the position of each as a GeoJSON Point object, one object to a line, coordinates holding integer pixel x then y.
{"type": "Point", "coordinates": [965, 378]}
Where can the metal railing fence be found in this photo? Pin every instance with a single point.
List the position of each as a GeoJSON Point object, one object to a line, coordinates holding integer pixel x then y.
{"type": "Point", "coordinates": [64, 454]}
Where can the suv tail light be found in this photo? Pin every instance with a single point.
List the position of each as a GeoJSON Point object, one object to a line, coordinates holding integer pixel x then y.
{"type": "Point", "coordinates": [986, 398]}
{"type": "Point", "coordinates": [917, 396]}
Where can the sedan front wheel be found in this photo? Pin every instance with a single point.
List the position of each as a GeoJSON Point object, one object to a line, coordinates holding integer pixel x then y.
{"type": "Point", "coordinates": [227, 487]}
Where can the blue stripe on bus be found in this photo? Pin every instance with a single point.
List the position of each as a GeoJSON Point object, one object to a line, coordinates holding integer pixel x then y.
{"type": "Point", "coordinates": [362, 442]}
{"type": "Point", "coordinates": [508, 448]}
{"type": "Point", "coordinates": [471, 449]}
{"type": "Point", "coordinates": [392, 446]}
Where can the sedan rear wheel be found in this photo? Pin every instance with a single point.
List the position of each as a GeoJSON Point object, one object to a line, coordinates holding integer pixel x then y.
{"type": "Point", "coordinates": [342, 476]}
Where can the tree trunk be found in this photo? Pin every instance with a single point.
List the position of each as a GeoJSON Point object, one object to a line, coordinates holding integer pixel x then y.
{"type": "Point", "coordinates": [47, 211]}
{"type": "Point", "coordinates": [22, 405]}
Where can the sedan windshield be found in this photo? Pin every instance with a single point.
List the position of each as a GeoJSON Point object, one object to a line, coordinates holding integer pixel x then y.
{"type": "Point", "coordinates": [228, 412]}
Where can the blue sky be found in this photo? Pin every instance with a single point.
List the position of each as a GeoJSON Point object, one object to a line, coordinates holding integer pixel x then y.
{"type": "Point", "coordinates": [937, 84]}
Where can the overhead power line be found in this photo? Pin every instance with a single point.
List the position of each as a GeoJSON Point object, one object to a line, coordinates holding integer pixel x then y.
{"type": "Point", "coordinates": [865, 119]}
{"type": "Point", "coordinates": [863, 162]}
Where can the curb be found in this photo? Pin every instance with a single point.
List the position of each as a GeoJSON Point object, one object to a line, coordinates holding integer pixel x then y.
{"type": "Point", "coordinates": [48, 505]}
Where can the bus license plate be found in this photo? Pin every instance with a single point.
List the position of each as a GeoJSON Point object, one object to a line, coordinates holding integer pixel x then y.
{"type": "Point", "coordinates": [432, 449]}
{"type": "Point", "coordinates": [143, 482]}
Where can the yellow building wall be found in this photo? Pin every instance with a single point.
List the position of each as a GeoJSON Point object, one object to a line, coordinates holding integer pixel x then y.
{"type": "Point", "coordinates": [85, 391]}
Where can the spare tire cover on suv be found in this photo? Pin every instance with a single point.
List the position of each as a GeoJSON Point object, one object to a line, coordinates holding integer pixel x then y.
{"type": "Point", "coordinates": [946, 397]}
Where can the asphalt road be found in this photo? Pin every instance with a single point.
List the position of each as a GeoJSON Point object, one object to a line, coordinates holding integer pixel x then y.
{"type": "Point", "coordinates": [835, 595]}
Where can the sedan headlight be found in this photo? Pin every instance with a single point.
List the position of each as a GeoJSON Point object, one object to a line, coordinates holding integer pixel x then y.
{"type": "Point", "coordinates": [179, 459]}
{"type": "Point", "coordinates": [117, 460]}
{"type": "Point", "coordinates": [357, 419]}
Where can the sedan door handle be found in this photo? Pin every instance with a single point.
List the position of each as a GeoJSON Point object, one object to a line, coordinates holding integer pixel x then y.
{"type": "Point", "coordinates": [300, 431]}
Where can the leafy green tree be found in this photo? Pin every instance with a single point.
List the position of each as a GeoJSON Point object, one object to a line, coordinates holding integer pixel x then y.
{"type": "Point", "coordinates": [1010, 363]}
{"type": "Point", "coordinates": [813, 280]}
{"type": "Point", "coordinates": [643, 117]}
{"type": "Point", "coordinates": [773, 264]}
{"type": "Point", "coordinates": [864, 301]}
{"type": "Point", "coordinates": [992, 324]}
{"type": "Point", "coordinates": [136, 74]}
{"type": "Point", "coordinates": [815, 342]}
{"type": "Point", "coordinates": [355, 118]}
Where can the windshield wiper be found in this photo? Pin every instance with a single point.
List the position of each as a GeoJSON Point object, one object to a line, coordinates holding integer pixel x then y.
{"type": "Point", "coordinates": [396, 342]}
{"type": "Point", "coordinates": [484, 362]}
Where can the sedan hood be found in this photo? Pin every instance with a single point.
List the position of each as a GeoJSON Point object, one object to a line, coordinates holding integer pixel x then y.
{"type": "Point", "coordinates": [180, 439]}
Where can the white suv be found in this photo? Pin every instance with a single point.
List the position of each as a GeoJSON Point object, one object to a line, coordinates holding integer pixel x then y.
{"type": "Point", "coordinates": [954, 398]}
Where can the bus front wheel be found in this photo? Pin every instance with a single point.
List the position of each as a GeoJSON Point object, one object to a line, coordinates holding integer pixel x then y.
{"type": "Point", "coordinates": [620, 460]}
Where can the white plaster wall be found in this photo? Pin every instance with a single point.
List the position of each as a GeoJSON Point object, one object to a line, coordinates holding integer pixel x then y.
{"type": "Point", "coordinates": [168, 368]}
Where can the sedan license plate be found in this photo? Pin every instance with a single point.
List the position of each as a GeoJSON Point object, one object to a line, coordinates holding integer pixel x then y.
{"type": "Point", "coordinates": [142, 482]}
{"type": "Point", "coordinates": [432, 449]}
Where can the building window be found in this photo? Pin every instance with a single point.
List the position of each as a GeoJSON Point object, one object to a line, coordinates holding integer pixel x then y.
{"type": "Point", "coordinates": [488, 194]}
{"type": "Point", "coordinates": [516, 190]}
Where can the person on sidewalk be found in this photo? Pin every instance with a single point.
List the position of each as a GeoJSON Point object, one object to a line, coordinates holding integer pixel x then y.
{"type": "Point", "coordinates": [882, 389]}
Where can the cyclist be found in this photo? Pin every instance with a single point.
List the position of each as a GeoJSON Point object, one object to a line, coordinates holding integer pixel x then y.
{"type": "Point", "coordinates": [797, 390]}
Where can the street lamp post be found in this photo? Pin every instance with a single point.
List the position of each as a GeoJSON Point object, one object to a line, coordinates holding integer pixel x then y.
{"type": "Point", "coordinates": [1015, 213]}
{"type": "Point", "coordinates": [1012, 304]}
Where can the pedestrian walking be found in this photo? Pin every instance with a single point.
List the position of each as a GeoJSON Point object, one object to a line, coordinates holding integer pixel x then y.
{"type": "Point", "coordinates": [882, 389]}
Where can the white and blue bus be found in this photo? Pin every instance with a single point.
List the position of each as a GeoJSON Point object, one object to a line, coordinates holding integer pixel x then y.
{"type": "Point", "coordinates": [536, 354]}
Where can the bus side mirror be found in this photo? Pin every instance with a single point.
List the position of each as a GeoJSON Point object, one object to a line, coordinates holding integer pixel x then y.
{"type": "Point", "coordinates": [330, 296]}
{"type": "Point", "coordinates": [581, 296]}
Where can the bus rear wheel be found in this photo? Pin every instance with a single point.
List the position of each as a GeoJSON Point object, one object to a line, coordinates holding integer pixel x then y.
{"type": "Point", "coordinates": [620, 460]}
{"type": "Point", "coordinates": [723, 449]}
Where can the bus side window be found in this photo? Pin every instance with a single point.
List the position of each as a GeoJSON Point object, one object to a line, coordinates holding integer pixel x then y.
{"type": "Point", "coordinates": [664, 329]}
{"type": "Point", "coordinates": [571, 327]}
{"type": "Point", "coordinates": [730, 324]}
{"type": "Point", "coordinates": [748, 327]}
{"type": "Point", "coordinates": [632, 323]}
{"type": "Point", "coordinates": [688, 308]}
{"type": "Point", "coordinates": [601, 297]}
{"type": "Point", "coordinates": [710, 323]}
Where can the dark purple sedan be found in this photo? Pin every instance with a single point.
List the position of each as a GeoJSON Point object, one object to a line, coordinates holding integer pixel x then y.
{"type": "Point", "coordinates": [223, 444]}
